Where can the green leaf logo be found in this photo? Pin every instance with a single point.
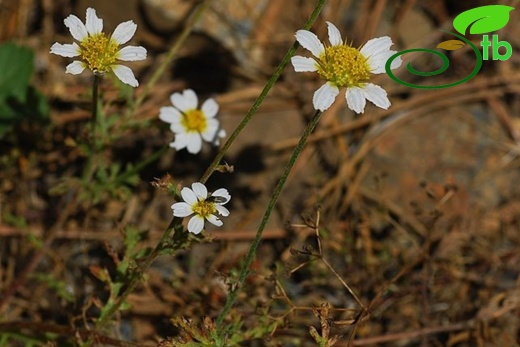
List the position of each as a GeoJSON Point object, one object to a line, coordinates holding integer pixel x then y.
{"type": "Point", "coordinates": [483, 19]}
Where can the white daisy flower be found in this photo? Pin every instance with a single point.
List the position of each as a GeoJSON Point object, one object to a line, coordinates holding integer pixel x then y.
{"type": "Point", "coordinates": [97, 51]}
{"type": "Point", "coordinates": [202, 205]}
{"type": "Point", "coordinates": [344, 66]}
{"type": "Point", "coordinates": [190, 124]}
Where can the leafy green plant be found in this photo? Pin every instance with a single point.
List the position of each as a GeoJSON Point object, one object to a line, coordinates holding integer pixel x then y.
{"type": "Point", "coordinates": [57, 285]}
{"type": "Point", "coordinates": [124, 266]}
{"type": "Point", "coordinates": [108, 181]}
{"type": "Point", "coordinates": [206, 334]}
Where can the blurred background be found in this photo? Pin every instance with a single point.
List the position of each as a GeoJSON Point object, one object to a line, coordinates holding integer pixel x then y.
{"type": "Point", "coordinates": [418, 205]}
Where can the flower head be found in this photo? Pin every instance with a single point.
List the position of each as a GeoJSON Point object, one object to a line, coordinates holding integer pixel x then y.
{"type": "Point", "coordinates": [343, 66]}
{"type": "Point", "coordinates": [202, 206]}
{"type": "Point", "coordinates": [190, 124]}
{"type": "Point", "coordinates": [97, 51]}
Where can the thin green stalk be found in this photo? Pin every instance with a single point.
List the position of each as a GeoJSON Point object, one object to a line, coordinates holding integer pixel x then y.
{"type": "Point", "coordinates": [95, 112]}
{"type": "Point", "coordinates": [95, 138]}
{"type": "Point", "coordinates": [274, 198]}
{"type": "Point", "coordinates": [270, 83]}
{"type": "Point", "coordinates": [173, 51]}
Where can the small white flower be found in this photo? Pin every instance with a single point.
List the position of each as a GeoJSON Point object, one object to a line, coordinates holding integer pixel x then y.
{"type": "Point", "coordinates": [97, 51]}
{"type": "Point", "coordinates": [197, 202]}
{"type": "Point", "coordinates": [344, 66]}
{"type": "Point", "coordinates": [190, 124]}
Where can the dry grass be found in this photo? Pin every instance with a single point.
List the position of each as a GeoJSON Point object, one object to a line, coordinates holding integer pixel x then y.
{"type": "Point", "coordinates": [418, 240]}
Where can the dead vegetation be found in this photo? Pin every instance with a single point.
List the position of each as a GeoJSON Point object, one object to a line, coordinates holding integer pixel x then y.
{"type": "Point", "coordinates": [396, 228]}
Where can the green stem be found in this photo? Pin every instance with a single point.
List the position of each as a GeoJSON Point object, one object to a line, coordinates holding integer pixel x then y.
{"type": "Point", "coordinates": [93, 158]}
{"type": "Point", "coordinates": [276, 193]}
{"type": "Point", "coordinates": [95, 112]}
{"type": "Point", "coordinates": [173, 51]}
{"type": "Point", "coordinates": [270, 83]}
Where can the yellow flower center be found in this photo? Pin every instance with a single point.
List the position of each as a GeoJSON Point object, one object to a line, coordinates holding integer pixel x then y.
{"type": "Point", "coordinates": [344, 66]}
{"type": "Point", "coordinates": [194, 120]}
{"type": "Point", "coordinates": [99, 52]}
{"type": "Point", "coordinates": [204, 208]}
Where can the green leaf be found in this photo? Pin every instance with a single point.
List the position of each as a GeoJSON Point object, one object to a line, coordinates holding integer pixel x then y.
{"type": "Point", "coordinates": [16, 66]}
{"type": "Point", "coordinates": [125, 306]}
{"type": "Point", "coordinates": [59, 286]}
{"type": "Point", "coordinates": [451, 45]}
{"type": "Point", "coordinates": [18, 100]}
{"type": "Point", "coordinates": [483, 19]}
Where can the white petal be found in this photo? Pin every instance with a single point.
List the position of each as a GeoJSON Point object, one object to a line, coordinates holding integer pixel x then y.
{"type": "Point", "coordinates": [355, 99]}
{"type": "Point", "coordinates": [324, 97]}
{"type": "Point", "coordinates": [181, 209]}
{"type": "Point", "coordinates": [221, 134]}
{"type": "Point", "coordinates": [200, 190]}
{"type": "Point", "coordinates": [124, 32]}
{"type": "Point", "coordinates": [210, 133]}
{"type": "Point", "coordinates": [189, 196]}
{"type": "Point", "coordinates": [223, 193]}
{"type": "Point", "coordinates": [196, 224]}
{"type": "Point", "coordinates": [214, 220]}
{"type": "Point", "coordinates": [169, 114]}
{"type": "Point", "coordinates": [310, 41]}
{"type": "Point", "coordinates": [376, 46]}
{"type": "Point", "coordinates": [65, 50]}
{"type": "Point", "coordinates": [176, 98]}
{"type": "Point", "coordinates": [304, 64]}
{"type": "Point", "coordinates": [194, 143]}
{"type": "Point", "coordinates": [210, 108]}
{"type": "Point", "coordinates": [178, 128]}
{"type": "Point", "coordinates": [212, 125]}
{"type": "Point", "coordinates": [209, 136]}
{"type": "Point", "coordinates": [75, 68]}
{"type": "Point", "coordinates": [77, 29]}
{"type": "Point", "coordinates": [334, 35]}
{"type": "Point", "coordinates": [181, 141]}
{"type": "Point", "coordinates": [93, 23]}
{"type": "Point", "coordinates": [125, 74]}
{"type": "Point", "coordinates": [222, 210]}
{"type": "Point", "coordinates": [376, 95]}
{"type": "Point", "coordinates": [185, 101]}
{"type": "Point", "coordinates": [396, 62]}
{"type": "Point", "coordinates": [378, 61]}
{"type": "Point", "coordinates": [132, 53]}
